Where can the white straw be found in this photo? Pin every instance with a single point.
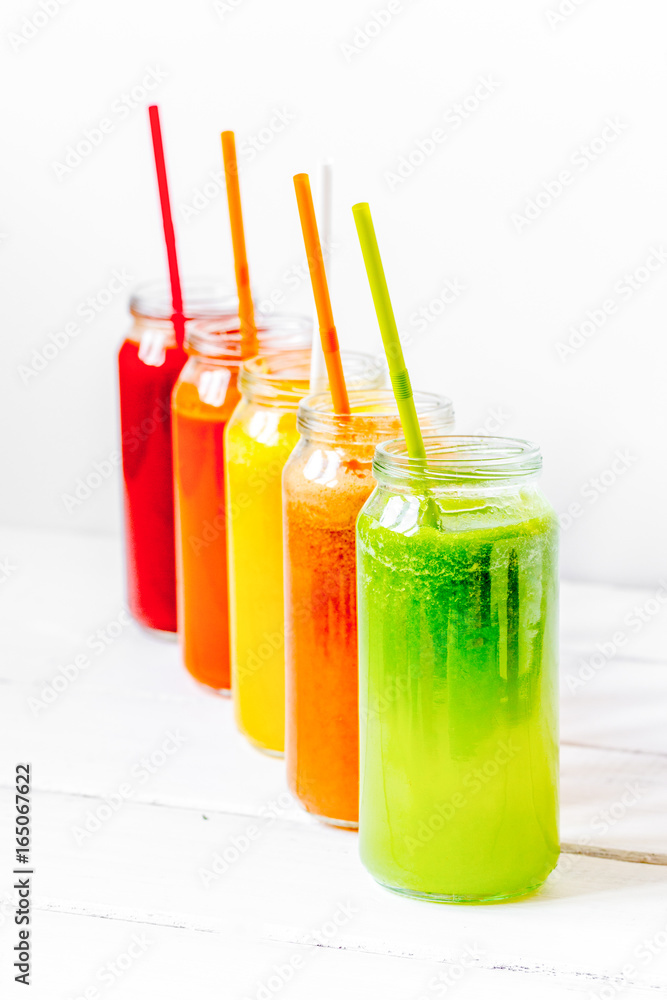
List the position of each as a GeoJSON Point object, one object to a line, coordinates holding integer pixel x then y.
{"type": "Point", "coordinates": [318, 368]}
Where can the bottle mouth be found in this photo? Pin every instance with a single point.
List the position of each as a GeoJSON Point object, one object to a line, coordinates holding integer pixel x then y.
{"type": "Point", "coordinates": [458, 459]}
{"type": "Point", "coordinates": [373, 415]}
{"type": "Point", "coordinates": [284, 377]}
{"type": "Point", "coordinates": [203, 298]}
{"type": "Point", "coordinates": [221, 337]}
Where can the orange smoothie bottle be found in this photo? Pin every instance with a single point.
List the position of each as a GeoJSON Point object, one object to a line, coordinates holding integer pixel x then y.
{"type": "Point", "coordinates": [203, 400]}
{"type": "Point", "coordinates": [258, 442]}
{"type": "Point", "coordinates": [326, 482]}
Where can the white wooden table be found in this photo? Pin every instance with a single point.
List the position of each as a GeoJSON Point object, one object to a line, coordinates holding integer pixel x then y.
{"type": "Point", "coordinates": [123, 908]}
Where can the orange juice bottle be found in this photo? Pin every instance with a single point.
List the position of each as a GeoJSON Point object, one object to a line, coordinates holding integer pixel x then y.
{"type": "Point", "coordinates": [326, 482]}
{"type": "Point", "coordinates": [203, 400]}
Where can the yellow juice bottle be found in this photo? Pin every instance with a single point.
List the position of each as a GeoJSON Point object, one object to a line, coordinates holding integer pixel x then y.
{"type": "Point", "coordinates": [258, 441]}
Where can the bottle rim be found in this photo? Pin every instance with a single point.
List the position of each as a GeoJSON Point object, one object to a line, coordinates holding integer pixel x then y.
{"type": "Point", "coordinates": [373, 414]}
{"type": "Point", "coordinates": [458, 458]}
{"type": "Point", "coordinates": [203, 298]}
{"type": "Point", "coordinates": [282, 378]}
{"type": "Point", "coordinates": [221, 337]}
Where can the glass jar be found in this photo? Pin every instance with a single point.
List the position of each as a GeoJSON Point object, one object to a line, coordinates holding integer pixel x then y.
{"type": "Point", "coordinates": [204, 398]}
{"type": "Point", "coordinates": [326, 482]}
{"type": "Point", "coordinates": [149, 362]}
{"type": "Point", "coordinates": [458, 593]}
{"type": "Point", "coordinates": [258, 442]}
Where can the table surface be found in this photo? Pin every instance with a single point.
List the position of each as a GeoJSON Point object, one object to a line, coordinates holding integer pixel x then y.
{"type": "Point", "coordinates": [170, 862]}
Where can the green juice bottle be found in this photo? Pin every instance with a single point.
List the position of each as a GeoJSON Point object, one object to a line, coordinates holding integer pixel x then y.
{"type": "Point", "coordinates": [458, 619]}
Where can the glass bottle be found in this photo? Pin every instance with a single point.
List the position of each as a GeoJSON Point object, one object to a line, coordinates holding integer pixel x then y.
{"type": "Point", "coordinates": [203, 400]}
{"type": "Point", "coordinates": [149, 362]}
{"type": "Point", "coordinates": [326, 482]}
{"type": "Point", "coordinates": [258, 442]}
{"type": "Point", "coordinates": [458, 592]}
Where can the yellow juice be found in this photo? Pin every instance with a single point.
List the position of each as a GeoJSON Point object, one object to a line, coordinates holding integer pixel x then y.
{"type": "Point", "coordinates": [258, 441]}
{"type": "Point", "coordinates": [258, 448]}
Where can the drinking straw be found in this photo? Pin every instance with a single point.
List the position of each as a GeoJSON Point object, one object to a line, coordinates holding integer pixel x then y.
{"type": "Point", "coordinates": [246, 310]}
{"type": "Point", "coordinates": [177, 318]}
{"type": "Point", "coordinates": [318, 368]}
{"type": "Point", "coordinates": [398, 372]}
{"type": "Point", "coordinates": [318, 277]}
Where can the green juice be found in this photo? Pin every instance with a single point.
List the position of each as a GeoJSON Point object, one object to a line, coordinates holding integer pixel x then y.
{"type": "Point", "coordinates": [458, 692]}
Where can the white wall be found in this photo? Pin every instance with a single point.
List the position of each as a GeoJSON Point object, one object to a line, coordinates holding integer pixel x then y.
{"type": "Point", "coordinates": [232, 65]}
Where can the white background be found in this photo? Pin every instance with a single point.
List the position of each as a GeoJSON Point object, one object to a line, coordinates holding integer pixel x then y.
{"type": "Point", "coordinates": [555, 85]}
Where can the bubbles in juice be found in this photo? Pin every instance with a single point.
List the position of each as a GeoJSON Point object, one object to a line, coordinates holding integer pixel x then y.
{"type": "Point", "coordinates": [202, 541]}
{"type": "Point", "coordinates": [258, 443]}
{"type": "Point", "coordinates": [458, 668]}
{"type": "Point", "coordinates": [323, 494]}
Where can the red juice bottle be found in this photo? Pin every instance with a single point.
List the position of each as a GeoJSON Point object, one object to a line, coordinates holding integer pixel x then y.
{"type": "Point", "coordinates": [149, 363]}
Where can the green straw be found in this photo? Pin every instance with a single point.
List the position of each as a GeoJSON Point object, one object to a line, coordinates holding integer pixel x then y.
{"type": "Point", "coordinates": [400, 380]}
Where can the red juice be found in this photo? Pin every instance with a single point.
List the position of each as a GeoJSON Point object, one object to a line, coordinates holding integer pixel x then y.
{"type": "Point", "coordinates": [148, 496]}
{"type": "Point", "coordinates": [149, 363]}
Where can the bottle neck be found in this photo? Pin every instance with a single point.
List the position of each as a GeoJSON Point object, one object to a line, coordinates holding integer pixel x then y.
{"type": "Point", "coordinates": [373, 418]}
{"type": "Point", "coordinates": [458, 465]}
{"type": "Point", "coordinates": [283, 379]}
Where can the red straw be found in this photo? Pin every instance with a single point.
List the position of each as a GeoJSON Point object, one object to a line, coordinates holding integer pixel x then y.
{"type": "Point", "coordinates": [169, 236]}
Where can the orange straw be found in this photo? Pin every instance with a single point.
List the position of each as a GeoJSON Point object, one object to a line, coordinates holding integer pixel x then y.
{"type": "Point", "coordinates": [318, 277]}
{"type": "Point", "coordinates": [246, 310]}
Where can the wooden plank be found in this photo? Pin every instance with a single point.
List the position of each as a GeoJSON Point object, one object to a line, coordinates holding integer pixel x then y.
{"type": "Point", "coordinates": [621, 704]}
{"type": "Point", "coordinates": [138, 961]}
{"type": "Point", "coordinates": [614, 800]}
{"type": "Point", "coordinates": [145, 863]}
{"type": "Point", "coordinates": [202, 796]}
{"type": "Point", "coordinates": [185, 751]}
{"type": "Point", "coordinates": [631, 618]}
